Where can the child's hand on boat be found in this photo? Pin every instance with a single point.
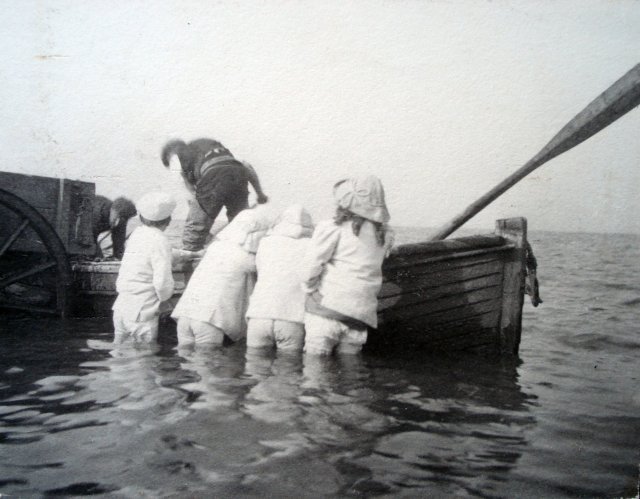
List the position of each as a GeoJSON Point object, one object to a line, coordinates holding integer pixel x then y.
{"type": "Point", "coordinates": [186, 255]}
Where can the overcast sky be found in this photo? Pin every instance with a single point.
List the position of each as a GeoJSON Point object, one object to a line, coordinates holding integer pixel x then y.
{"type": "Point", "coordinates": [440, 99]}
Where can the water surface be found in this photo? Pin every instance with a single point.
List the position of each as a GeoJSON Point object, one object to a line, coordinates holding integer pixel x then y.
{"type": "Point", "coordinates": [78, 417]}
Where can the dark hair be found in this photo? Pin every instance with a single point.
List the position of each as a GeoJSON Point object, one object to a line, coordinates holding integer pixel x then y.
{"type": "Point", "coordinates": [343, 215]}
{"type": "Point", "coordinates": [191, 155]}
{"type": "Point", "coordinates": [158, 224]}
{"type": "Point", "coordinates": [124, 208]}
{"type": "Point", "coordinates": [185, 155]}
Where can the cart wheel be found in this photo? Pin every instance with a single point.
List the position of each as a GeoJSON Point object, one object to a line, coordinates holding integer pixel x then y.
{"type": "Point", "coordinates": [35, 274]}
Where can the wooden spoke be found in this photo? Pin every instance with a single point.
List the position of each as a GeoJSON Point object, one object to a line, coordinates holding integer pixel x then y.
{"type": "Point", "coordinates": [32, 256]}
{"type": "Point", "coordinates": [27, 273]}
{"type": "Point", "coordinates": [32, 308]}
{"type": "Point", "coordinates": [12, 238]}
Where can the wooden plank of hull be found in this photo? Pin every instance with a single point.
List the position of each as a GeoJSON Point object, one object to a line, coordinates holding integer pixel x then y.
{"type": "Point", "coordinates": [469, 339]}
{"type": "Point", "coordinates": [463, 298]}
{"type": "Point", "coordinates": [409, 301]}
{"type": "Point", "coordinates": [458, 334]}
{"type": "Point", "coordinates": [95, 286]}
{"type": "Point", "coordinates": [467, 311]}
{"type": "Point", "coordinates": [100, 277]}
{"type": "Point", "coordinates": [440, 273]}
{"type": "Point", "coordinates": [98, 304]}
{"type": "Point", "coordinates": [397, 267]}
{"type": "Point", "coordinates": [91, 282]}
{"type": "Point", "coordinates": [438, 279]}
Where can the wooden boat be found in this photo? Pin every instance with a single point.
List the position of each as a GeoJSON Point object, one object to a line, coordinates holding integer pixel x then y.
{"type": "Point", "coordinates": [460, 294]}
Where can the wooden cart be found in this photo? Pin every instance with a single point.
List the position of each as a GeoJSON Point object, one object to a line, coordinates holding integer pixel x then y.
{"type": "Point", "coordinates": [44, 223]}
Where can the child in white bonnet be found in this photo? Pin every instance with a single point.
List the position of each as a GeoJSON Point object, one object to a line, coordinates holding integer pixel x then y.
{"type": "Point", "coordinates": [215, 300]}
{"type": "Point", "coordinates": [145, 279]}
{"type": "Point", "coordinates": [343, 268]}
{"type": "Point", "coordinates": [276, 310]}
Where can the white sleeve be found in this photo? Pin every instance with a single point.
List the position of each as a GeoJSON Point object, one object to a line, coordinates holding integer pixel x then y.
{"type": "Point", "coordinates": [249, 263]}
{"type": "Point", "coordinates": [319, 251]}
{"type": "Point", "coordinates": [162, 275]}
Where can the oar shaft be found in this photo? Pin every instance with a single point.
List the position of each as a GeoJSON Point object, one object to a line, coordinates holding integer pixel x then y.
{"type": "Point", "coordinates": [475, 207]}
{"type": "Point", "coordinates": [617, 100]}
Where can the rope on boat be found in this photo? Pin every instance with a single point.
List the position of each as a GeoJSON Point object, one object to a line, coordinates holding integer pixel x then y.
{"type": "Point", "coordinates": [532, 287]}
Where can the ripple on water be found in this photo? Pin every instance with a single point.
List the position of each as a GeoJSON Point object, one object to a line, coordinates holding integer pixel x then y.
{"type": "Point", "coordinates": [220, 423]}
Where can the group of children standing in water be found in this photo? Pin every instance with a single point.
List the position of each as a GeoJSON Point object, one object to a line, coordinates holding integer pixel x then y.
{"type": "Point", "coordinates": [316, 288]}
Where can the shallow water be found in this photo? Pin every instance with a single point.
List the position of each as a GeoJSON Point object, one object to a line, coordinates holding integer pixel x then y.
{"type": "Point", "coordinates": [563, 420]}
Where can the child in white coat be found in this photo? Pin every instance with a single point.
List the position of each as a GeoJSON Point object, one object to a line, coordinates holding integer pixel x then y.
{"type": "Point", "coordinates": [215, 300]}
{"type": "Point", "coordinates": [145, 279]}
{"type": "Point", "coordinates": [276, 310]}
{"type": "Point", "coordinates": [343, 269]}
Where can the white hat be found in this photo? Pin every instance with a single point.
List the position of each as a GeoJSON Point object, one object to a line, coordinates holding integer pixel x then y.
{"type": "Point", "coordinates": [294, 222]}
{"type": "Point", "coordinates": [156, 206]}
{"type": "Point", "coordinates": [247, 228]}
{"type": "Point", "coordinates": [363, 196]}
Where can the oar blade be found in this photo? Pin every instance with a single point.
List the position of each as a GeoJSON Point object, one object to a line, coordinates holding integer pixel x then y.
{"type": "Point", "coordinates": [612, 104]}
{"type": "Point", "coordinates": [616, 101]}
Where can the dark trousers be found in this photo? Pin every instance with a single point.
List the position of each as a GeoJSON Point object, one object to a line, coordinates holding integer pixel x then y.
{"type": "Point", "coordinates": [196, 227]}
{"type": "Point", "coordinates": [199, 222]}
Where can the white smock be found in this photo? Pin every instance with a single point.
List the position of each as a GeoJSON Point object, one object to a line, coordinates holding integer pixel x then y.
{"type": "Point", "coordinates": [346, 269]}
{"type": "Point", "coordinates": [278, 294]}
{"type": "Point", "coordinates": [219, 289]}
{"type": "Point", "coordinates": [145, 279]}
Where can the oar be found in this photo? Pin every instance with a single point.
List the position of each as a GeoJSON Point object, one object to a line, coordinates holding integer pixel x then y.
{"type": "Point", "coordinates": [617, 100]}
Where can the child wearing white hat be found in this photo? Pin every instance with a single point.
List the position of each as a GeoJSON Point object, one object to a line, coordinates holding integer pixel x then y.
{"type": "Point", "coordinates": [276, 309]}
{"type": "Point", "coordinates": [145, 279]}
{"type": "Point", "coordinates": [343, 269]}
{"type": "Point", "coordinates": [215, 300]}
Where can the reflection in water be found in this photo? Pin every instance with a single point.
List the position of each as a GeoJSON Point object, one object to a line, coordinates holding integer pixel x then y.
{"type": "Point", "coordinates": [337, 393]}
{"type": "Point", "coordinates": [384, 433]}
{"type": "Point", "coordinates": [88, 425]}
{"type": "Point", "coordinates": [459, 428]}
{"type": "Point", "coordinates": [211, 376]}
{"type": "Point", "coordinates": [274, 397]}
{"type": "Point", "coordinates": [138, 421]}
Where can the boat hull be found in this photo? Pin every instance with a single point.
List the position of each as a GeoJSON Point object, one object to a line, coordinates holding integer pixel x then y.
{"type": "Point", "coordinates": [459, 294]}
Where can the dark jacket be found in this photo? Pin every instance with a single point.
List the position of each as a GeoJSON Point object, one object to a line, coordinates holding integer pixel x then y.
{"type": "Point", "coordinates": [100, 223]}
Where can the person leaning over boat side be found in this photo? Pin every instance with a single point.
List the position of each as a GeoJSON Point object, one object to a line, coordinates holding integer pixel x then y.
{"type": "Point", "coordinates": [112, 216]}
{"type": "Point", "coordinates": [214, 303]}
{"type": "Point", "coordinates": [276, 309]}
{"type": "Point", "coordinates": [343, 268]}
{"type": "Point", "coordinates": [145, 279]}
{"type": "Point", "coordinates": [216, 179]}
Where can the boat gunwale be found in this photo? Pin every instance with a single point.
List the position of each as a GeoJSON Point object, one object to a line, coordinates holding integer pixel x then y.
{"type": "Point", "coordinates": [392, 265]}
{"type": "Point", "coordinates": [112, 267]}
{"type": "Point", "coordinates": [460, 243]}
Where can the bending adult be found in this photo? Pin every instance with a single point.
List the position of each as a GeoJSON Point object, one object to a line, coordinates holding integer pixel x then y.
{"type": "Point", "coordinates": [112, 216]}
{"type": "Point", "coordinates": [216, 179]}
